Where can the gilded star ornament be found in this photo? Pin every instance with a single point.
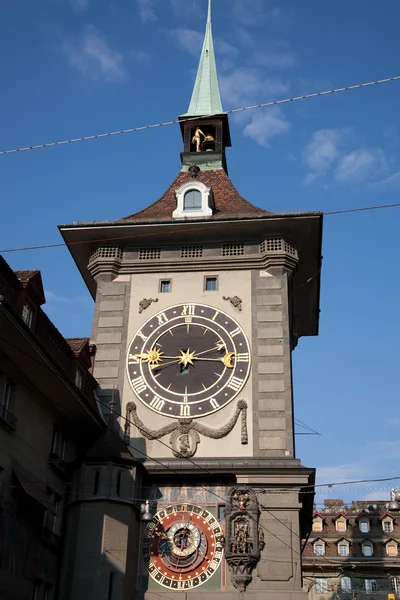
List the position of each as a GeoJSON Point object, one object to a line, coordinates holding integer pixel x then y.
{"type": "Point", "coordinates": [187, 357]}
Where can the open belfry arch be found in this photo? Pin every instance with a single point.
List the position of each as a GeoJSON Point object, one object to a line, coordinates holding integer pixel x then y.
{"type": "Point", "coordinates": [200, 300]}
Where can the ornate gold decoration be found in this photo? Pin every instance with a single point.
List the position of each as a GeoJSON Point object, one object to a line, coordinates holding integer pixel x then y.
{"type": "Point", "coordinates": [153, 357]}
{"type": "Point", "coordinates": [145, 303]}
{"type": "Point", "coordinates": [187, 358]}
{"type": "Point", "coordinates": [227, 360]}
{"type": "Point", "coordinates": [235, 301]}
{"type": "Point", "coordinates": [185, 432]}
{"type": "Point", "coordinates": [197, 139]}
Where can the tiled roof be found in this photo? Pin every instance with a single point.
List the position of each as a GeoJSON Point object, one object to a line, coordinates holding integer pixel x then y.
{"type": "Point", "coordinates": [77, 344]}
{"type": "Point", "coordinates": [25, 276]}
{"type": "Point", "coordinates": [228, 201]}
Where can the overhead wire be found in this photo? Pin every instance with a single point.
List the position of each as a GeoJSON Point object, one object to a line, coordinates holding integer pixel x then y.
{"type": "Point", "coordinates": [183, 119]}
{"type": "Point", "coordinates": [296, 214]}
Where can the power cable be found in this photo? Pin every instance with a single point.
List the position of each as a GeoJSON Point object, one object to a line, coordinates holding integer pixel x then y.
{"type": "Point", "coordinates": [177, 121]}
{"type": "Point", "coordinates": [130, 237]}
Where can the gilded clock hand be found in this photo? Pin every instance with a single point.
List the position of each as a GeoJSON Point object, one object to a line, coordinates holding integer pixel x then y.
{"type": "Point", "coordinates": [220, 346]}
{"type": "Point", "coordinates": [227, 359]}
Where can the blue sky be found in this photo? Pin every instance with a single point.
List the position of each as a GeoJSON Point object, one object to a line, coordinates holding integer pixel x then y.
{"type": "Point", "coordinates": [80, 67]}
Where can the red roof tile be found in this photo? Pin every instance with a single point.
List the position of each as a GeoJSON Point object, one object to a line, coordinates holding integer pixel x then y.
{"type": "Point", "coordinates": [25, 276]}
{"type": "Point", "coordinates": [77, 344]}
{"type": "Point", "coordinates": [228, 201]}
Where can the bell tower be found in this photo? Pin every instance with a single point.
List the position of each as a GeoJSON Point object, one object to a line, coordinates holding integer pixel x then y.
{"type": "Point", "coordinates": [205, 126]}
{"type": "Point", "coordinates": [201, 298]}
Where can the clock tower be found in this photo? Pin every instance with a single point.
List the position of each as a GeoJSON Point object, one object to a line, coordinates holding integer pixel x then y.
{"type": "Point", "coordinates": [200, 300]}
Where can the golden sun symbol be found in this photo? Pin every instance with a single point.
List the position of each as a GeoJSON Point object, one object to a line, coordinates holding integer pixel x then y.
{"type": "Point", "coordinates": [153, 357]}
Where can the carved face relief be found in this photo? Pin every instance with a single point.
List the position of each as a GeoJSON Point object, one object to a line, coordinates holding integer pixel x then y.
{"type": "Point", "coordinates": [188, 361]}
{"type": "Point", "coordinates": [182, 546]}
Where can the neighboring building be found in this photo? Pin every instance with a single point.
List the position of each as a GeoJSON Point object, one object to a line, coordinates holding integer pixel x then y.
{"type": "Point", "coordinates": [352, 551]}
{"type": "Point", "coordinates": [48, 415]}
{"type": "Point", "coordinates": [200, 300]}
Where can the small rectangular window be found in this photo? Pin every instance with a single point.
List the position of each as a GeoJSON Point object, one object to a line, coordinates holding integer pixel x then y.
{"type": "Point", "coordinates": [118, 486]}
{"type": "Point", "coordinates": [319, 549]}
{"type": "Point", "coordinates": [364, 526]}
{"type": "Point", "coordinates": [211, 284]}
{"type": "Point", "coordinates": [340, 525]}
{"type": "Point", "coordinates": [317, 526]}
{"type": "Point", "coordinates": [321, 585]}
{"type": "Point", "coordinates": [96, 483]}
{"type": "Point", "coordinates": [370, 586]}
{"type": "Point", "coordinates": [27, 314]}
{"type": "Point", "coordinates": [387, 526]}
{"type": "Point", "coordinates": [5, 396]}
{"type": "Point", "coordinates": [343, 549]}
{"type": "Point", "coordinates": [54, 441]}
{"type": "Point", "coordinates": [345, 584]}
{"type": "Point", "coordinates": [63, 448]}
{"type": "Point", "coordinates": [391, 550]}
{"type": "Point", "coordinates": [367, 550]}
{"type": "Point", "coordinates": [165, 286]}
{"type": "Point", "coordinates": [79, 379]}
{"type": "Point", "coordinates": [111, 586]}
{"type": "Point", "coordinates": [221, 512]}
{"type": "Point", "coordinates": [395, 584]}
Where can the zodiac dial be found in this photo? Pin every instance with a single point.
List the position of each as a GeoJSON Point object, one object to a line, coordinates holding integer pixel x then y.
{"type": "Point", "coordinates": [188, 361]}
{"type": "Point", "coordinates": [182, 546]}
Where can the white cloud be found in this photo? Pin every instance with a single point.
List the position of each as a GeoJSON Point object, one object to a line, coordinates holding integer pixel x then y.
{"type": "Point", "coordinates": [361, 165]}
{"type": "Point", "coordinates": [344, 472]}
{"type": "Point", "coordinates": [391, 180]}
{"type": "Point", "coordinates": [147, 11]}
{"type": "Point", "coordinates": [321, 153]}
{"type": "Point", "coordinates": [246, 84]}
{"type": "Point", "coordinates": [80, 4]}
{"type": "Point", "coordinates": [187, 39]}
{"type": "Point", "coordinates": [91, 55]}
{"type": "Point", "coordinates": [275, 59]}
{"type": "Point", "coordinates": [266, 125]}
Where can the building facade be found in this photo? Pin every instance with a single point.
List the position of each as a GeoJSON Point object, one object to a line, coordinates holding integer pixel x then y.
{"type": "Point", "coordinates": [200, 300]}
{"type": "Point", "coordinates": [48, 414]}
{"type": "Point", "coordinates": [352, 551]}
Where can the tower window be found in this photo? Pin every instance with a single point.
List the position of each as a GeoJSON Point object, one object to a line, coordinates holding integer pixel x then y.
{"type": "Point", "coordinates": [192, 200]}
{"type": "Point", "coordinates": [211, 284]}
{"type": "Point", "coordinates": [96, 483]}
{"type": "Point", "coordinates": [165, 286]}
{"type": "Point", "coordinates": [27, 314]}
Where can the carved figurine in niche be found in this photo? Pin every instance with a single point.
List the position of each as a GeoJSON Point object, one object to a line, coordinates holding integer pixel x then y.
{"type": "Point", "coordinates": [245, 540]}
{"type": "Point", "coordinates": [197, 140]}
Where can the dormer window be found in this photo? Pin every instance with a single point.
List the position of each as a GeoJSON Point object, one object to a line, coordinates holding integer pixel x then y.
{"type": "Point", "coordinates": [387, 525]}
{"type": "Point", "coordinates": [367, 548]}
{"type": "Point", "coordinates": [193, 199]}
{"type": "Point", "coordinates": [391, 548]}
{"type": "Point", "coordinates": [317, 524]}
{"type": "Point", "coordinates": [363, 525]}
{"type": "Point", "coordinates": [27, 314]}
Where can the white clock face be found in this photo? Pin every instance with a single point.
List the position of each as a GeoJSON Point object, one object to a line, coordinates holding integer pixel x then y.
{"type": "Point", "coordinates": [188, 361]}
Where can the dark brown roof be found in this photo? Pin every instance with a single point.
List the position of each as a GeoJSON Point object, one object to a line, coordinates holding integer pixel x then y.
{"type": "Point", "coordinates": [77, 344]}
{"type": "Point", "coordinates": [228, 201]}
{"type": "Point", "coordinates": [25, 276]}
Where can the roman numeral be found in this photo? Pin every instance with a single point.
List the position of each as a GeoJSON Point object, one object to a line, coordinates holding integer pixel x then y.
{"type": "Point", "coordinates": [157, 403]}
{"type": "Point", "coordinates": [235, 383]}
{"type": "Point", "coordinates": [245, 357]}
{"type": "Point", "coordinates": [216, 315]}
{"type": "Point", "coordinates": [133, 359]}
{"type": "Point", "coordinates": [139, 384]}
{"type": "Point", "coordinates": [188, 310]}
{"type": "Point", "coordinates": [214, 403]}
{"type": "Point", "coordinates": [235, 332]}
{"type": "Point", "coordinates": [185, 410]}
{"type": "Point", "coordinates": [141, 335]}
{"type": "Point", "coordinates": [162, 319]}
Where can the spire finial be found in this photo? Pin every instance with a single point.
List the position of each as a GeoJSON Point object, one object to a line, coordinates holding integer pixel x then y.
{"type": "Point", "coordinates": [209, 11]}
{"type": "Point", "coordinates": [206, 97]}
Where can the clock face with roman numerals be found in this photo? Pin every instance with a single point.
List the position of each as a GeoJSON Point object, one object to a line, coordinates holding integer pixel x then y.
{"type": "Point", "coordinates": [182, 546]}
{"type": "Point", "coordinates": [188, 361]}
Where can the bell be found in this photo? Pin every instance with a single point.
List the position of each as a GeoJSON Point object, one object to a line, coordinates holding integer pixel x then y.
{"type": "Point", "coordinates": [394, 505]}
{"type": "Point", "coordinates": [146, 514]}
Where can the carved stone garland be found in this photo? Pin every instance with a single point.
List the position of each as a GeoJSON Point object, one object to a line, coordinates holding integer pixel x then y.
{"type": "Point", "coordinates": [244, 536]}
{"type": "Point", "coordinates": [185, 432]}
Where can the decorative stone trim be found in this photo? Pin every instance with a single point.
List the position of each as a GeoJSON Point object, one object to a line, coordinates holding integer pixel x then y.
{"type": "Point", "coordinates": [235, 301]}
{"type": "Point", "coordinates": [145, 303]}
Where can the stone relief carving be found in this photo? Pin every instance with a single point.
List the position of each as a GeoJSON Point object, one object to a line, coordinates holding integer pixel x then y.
{"type": "Point", "coordinates": [184, 434]}
{"type": "Point", "coordinates": [145, 303]}
{"type": "Point", "coordinates": [234, 300]}
{"type": "Point", "coordinates": [244, 535]}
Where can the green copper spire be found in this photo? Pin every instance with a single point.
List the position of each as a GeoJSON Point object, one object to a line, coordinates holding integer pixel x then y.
{"type": "Point", "coordinates": [206, 98]}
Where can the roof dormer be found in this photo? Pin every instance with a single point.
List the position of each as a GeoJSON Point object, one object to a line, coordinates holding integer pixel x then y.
{"type": "Point", "coordinates": [193, 199]}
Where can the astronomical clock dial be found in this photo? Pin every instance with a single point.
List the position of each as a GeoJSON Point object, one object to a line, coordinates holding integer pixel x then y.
{"type": "Point", "coordinates": [188, 361]}
{"type": "Point", "coordinates": [182, 546]}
